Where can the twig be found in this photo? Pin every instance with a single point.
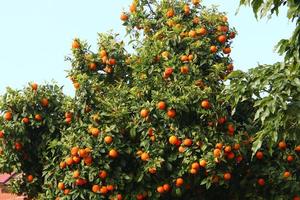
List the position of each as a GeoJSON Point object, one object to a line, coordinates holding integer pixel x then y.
{"type": "Point", "coordinates": [149, 6]}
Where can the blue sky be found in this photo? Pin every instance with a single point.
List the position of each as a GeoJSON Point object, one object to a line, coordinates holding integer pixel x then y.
{"type": "Point", "coordinates": [36, 35]}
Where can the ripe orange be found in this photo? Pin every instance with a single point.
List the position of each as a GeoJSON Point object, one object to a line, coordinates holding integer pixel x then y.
{"type": "Point", "coordinates": [76, 159]}
{"type": "Point", "coordinates": [205, 104]}
{"type": "Point", "coordinates": [119, 197]}
{"type": "Point", "coordinates": [230, 155]}
{"type": "Point", "coordinates": [217, 153]}
{"type": "Point", "coordinates": [287, 174]}
{"type": "Point", "coordinates": [95, 188]}
{"type": "Point", "coordinates": [227, 149]}
{"type": "Point", "coordinates": [186, 9]}
{"type": "Point", "coordinates": [236, 146]}
{"type": "Point", "coordinates": [192, 34]}
{"type": "Point", "coordinates": [95, 132]}
{"type": "Point", "coordinates": [184, 58]}
{"type": "Point", "coordinates": [76, 174]}
{"type": "Point", "coordinates": [61, 186]}
{"type": "Point", "coordinates": [145, 156]}
{"type": "Point", "coordinates": [213, 49]}
{"type": "Point", "coordinates": [8, 116]}
{"type": "Point", "coordinates": [88, 160]}
{"type": "Point", "coordinates": [201, 31]}
{"type": "Point", "coordinates": [113, 153]}
{"type": "Point", "coordinates": [222, 38]}
{"type": "Point", "coordinates": [62, 165]}
{"type": "Point", "coordinates": [103, 190]}
{"type": "Point", "coordinates": [171, 113]}
{"type": "Point", "coordinates": [168, 71]}
{"type": "Point", "coordinates": [124, 17]}
{"type": "Point", "coordinates": [132, 8]}
{"type": "Point", "coordinates": [193, 171]}
{"type": "Point", "coordinates": [196, 2]}
{"type": "Point", "coordinates": [259, 155]}
{"type": "Point", "coordinates": [196, 20]}
{"type": "Point", "coordinates": [282, 145]}
{"type": "Point", "coordinates": [161, 105]}
{"type": "Point", "coordinates": [1, 134]}
{"type": "Point", "coordinates": [18, 146]}
{"type": "Point", "coordinates": [82, 153]}
{"type": "Point", "coordinates": [67, 191]}
{"type": "Point", "coordinates": [25, 120]}
{"type": "Point", "coordinates": [38, 117]}
{"type": "Point", "coordinates": [232, 35]}
{"type": "Point", "coordinates": [103, 174]}
{"type": "Point", "coordinates": [74, 151]}
{"type": "Point", "coordinates": [34, 86]}
{"type": "Point", "coordinates": [219, 146]}
{"type": "Point", "coordinates": [195, 165]}
{"type": "Point", "coordinates": [76, 85]}
{"type": "Point", "coordinates": [179, 182]}
{"type": "Point", "coordinates": [187, 142]}
{"type": "Point", "coordinates": [108, 139]}
{"type": "Point", "coordinates": [112, 61]}
{"type": "Point", "coordinates": [93, 66]}
{"type": "Point", "coordinates": [152, 170]}
{"type": "Point", "coordinates": [69, 161]}
{"type": "Point", "coordinates": [144, 113]}
{"type": "Point", "coordinates": [231, 129]}
{"type": "Point", "coordinates": [102, 53]}
{"type": "Point", "coordinates": [110, 187]}
{"type": "Point", "coordinates": [190, 57]}
{"type": "Point", "coordinates": [227, 176]}
{"type": "Point", "coordinates": [29, 178]}
{"type": "Point", "coordinates": [184, 69]}
{"type": "Point", "coordinates": [297, 148]}
{"type": "Point", "coordinates": [181, 149]}
{"type": "Point", "coordinates": [261, 181]}
{"type": "Point", "coordinates": [160, 189]}
{"type": "Point", "coordinates": [75, 44]}
{"type": "Point", "coordinates": [170, 13]}
{"type": "Point", "coordinates": [173, 140]}
{"type": "Point", "coordinates": [290, 158]}
{"type": "Point", "coordinates": [227, 50]}
{"type": "Point", "coordinates": [203, 163]}
{"type": "Point", "coordinates": [166, 187]}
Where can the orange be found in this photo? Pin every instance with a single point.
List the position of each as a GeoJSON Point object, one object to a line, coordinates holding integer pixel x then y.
{"type": "Point", "coordinates": [110, 187]}
{"type": "Point", "coordinates": [287, 174]}
{"type": "Point", "coordinates": [184, 58]}
{"type": "Point", "coordinates": [192, 34]}
{"type": "Point", "coordinates": [166, 187]}
{"type": "Point", "coordinates": [230, 155]}
{"type": "Point", "coordinates": [224, 19]}
{"type": "Point", "coordinates": [227, 50]}
{"type": "Point", "coordinates": [236, 146]}
{"type": "Point", "coordinates": [74, 151]}
{"type": "Point", "coordinates": [38, 117]}
{"type": "Point", "coordinates": [67, 191]}
{"type": "Point", "coordinates": [184, 69]}
{"type": "Point", "coordinates": [173, 140]}
{"type": "Point", "coordinates": [219, 146]}
{"type": "Point", "coordinates": [227, 149]}
{"type": "Point", "coordinates": [83, 153]}
{"type": "Point", "coordinates": [187, 142]}
{"type": "Point", "coordinates": [222, 38]}
{"type": "Point", "coordinates": [8, 116]}
{"type": "Point", "coordinates": [193, 171]}
{"type": "Point", "coordinates": [113, 153]}
{"type": "Point", "coordinates": [29, 178]}
{"type": "Point", "coordinates": [124, 17]}
{"type": "Point", "coordinates": [145, 156]}
{"type": "Point", "coordinates": [62, 165]}
{"type": "Point", "coordinates": [75, 44]}
{"type": "Point", "coordinates": [261, 181]}
{"type": "Point", "coordinates": [282, 145]}
{"type": "Point", "coordinates": [290, 158]}
{"type": "Point", "coordinates": [161, 105]}
{"type": "Point", "coordinates": [93, 66]}
{"type": "Point", "coordinates": [132, 8]}
{"type": "Point", "coordinates": [259, 155]}
{"type": "Point", "coordinates": [25, 120]}
{"type": "Point", "coordinates": [213, 49]}
{"type": "Point", "coordinates": [196, 20]}
{"type": "Point", "coordinates": [186, 9]}
{"type": "Point", "coordinates": [227, 176]}
{"type": "Point", "coordinates": [1, 134]}
{"type": "Point", "coordinates": [112, 61]}
{"type": "Point", "coordinates": [119, 197]}
{"type": "Point", "coordinates": [191, 57]}
{"type": "Point", "coordinates": [69, 161]}
{"type": "Point", "coordinates": [203, 163]}
{"type": "Point", "coordinates": [160, 189]}
{"type": "Point", "coordinates": [34, 86]}
{"type": "Point", "coordinates": [76, 174]}
{"type": "Point", "coordinates": [217, 153]}
{"type": "Point", "coordinates": [179, 182]}
{"type": "Point", "coordinates": [88, 160]}
{"type": "Point", "coordinates": [152, 170]}
{"type": "Point", "coordinates": [232, 35]}
{"type": "Point", "coordinates": [181, 149]}
{"type": "Point", "coordinates": [18, 146]}
{"type": "Point", "coordinates": [103, 53]}
{"type": "Point", "coordinates": [76, 85]}
{"type": "Point", "coordinates": [201, 31]}
{"type": "Point", "coordinates": [108, 139]}
{"type": "Point", "coordinates": [171, 113]}
{"type": "Point", "coordinates": [297, 148]}
{"type": "Point", "coordinates": [95, 131]}
{"type": "Point", "coordinates": [103, 190]}
{"type": "Point", "coordinates": [205, 104]}
{"type": "Point", "coordinates": [76, 159]}
{"type": "Point", "coordinates": [170, 13]}
{"type": "Point", "coordinates": [196, 2]}
{"type": "Point", "coordinates": [144, 113]}
{"type": "Point", "coordinates": [168, 71]}
{"type": "Point", "coordinates": [195, 165]}
{"type": "Point", "coordinates": [61, 186]}
{"type": "Point", "coordinates": [103, 174]}
{"type": "Point", "coordinates": [95, 188]}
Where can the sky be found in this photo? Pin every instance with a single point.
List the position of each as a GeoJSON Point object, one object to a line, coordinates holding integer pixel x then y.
{"type": "Point", "coordinates": [35, 36]}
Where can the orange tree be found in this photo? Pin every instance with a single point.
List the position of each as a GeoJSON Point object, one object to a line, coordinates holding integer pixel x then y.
{"type": "Point", "coordinates": [157, 123]}
{"type": "Point", "coordinates": [31, 121]}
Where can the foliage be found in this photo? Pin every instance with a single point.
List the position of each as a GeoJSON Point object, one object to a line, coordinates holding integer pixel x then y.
{"type": "Point", "coordinates": [158, 123]}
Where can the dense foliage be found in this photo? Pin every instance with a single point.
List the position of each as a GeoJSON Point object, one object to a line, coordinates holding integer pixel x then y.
{"type": "Point", "coordinates": [158, 123]}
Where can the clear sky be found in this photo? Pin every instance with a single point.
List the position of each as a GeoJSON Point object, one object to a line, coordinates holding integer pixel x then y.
{"type": "Point", "coordinates": [36, 35]}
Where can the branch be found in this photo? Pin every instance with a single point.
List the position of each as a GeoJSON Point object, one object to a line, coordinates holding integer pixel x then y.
{"type": "Point", "coordinates": [150, 8]}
